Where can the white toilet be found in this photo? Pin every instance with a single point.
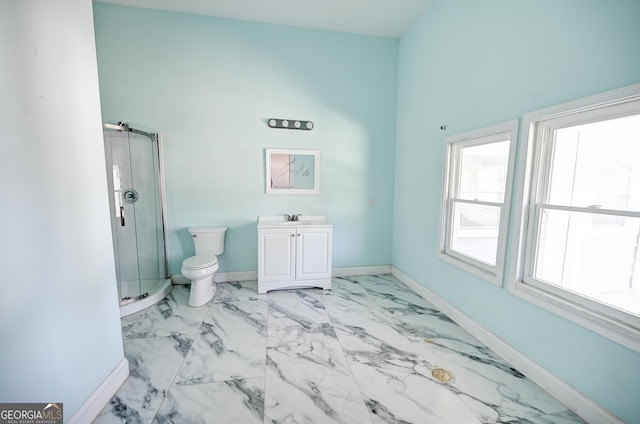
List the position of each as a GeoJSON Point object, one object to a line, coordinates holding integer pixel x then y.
{"type": "Point", "coordinates": [209, 243]}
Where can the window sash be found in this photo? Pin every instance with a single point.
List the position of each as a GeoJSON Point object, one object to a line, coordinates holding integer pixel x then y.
{"type": "Point", "coordinates": [589, 209]}
{"type": "Point", "coordinates": [533, 182]}
{"type": "Point", "coordinates": [477, 202]}
{"type": "Point", "coordinates": [449, 236]}
{"type": "Point", "coordinates": [503, 132]}
{"type": "Point", "coordinates": [534, 238]}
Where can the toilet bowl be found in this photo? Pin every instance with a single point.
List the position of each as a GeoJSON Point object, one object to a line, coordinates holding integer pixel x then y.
{"type": "Point", "coordinates": [200, 270]}
{"type": "Point", "coordinates": [209, 243]}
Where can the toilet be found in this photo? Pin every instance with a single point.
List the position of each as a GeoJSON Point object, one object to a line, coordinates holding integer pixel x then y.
{"type": "Point", "coordinates": [209, 243]}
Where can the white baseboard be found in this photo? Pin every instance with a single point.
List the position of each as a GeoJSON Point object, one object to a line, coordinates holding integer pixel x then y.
{"type": "Point", "coordinates": [226, 277]}
{"type": "Point", "coordinates": [90, 409]}
{"type": "Point", "coordinates": [361, 270]}
{"type": "Point", "coordinates": [586, 408]}
{"type": "Point", "coordinates": [219, 277]}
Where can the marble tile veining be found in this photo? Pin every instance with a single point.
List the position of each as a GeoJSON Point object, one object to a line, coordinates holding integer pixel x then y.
{"type": "Point", "coordinates": [308, 378]}
{"type": "Point", "coordinates": [230, 344]}
{"type": "Point", "coordinates": [153, 364]}
{"type": "Point", "coordinates": [233, 401]}
{"type": "Point", "coordinates": [363, 352]}
{"type": "Point", "coordinates": [296, 307]}
{"type": "Point", "coordinates": [170, 316]}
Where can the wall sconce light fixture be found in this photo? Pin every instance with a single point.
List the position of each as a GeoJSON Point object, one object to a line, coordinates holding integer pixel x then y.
{"type": "Point", "coordinates": [290, 124]}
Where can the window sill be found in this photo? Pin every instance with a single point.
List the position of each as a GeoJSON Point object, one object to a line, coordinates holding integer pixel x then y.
{"type": "Point", "coordinates": [471, 269]}
{"type": "Point", "coordinates": [599, 323]}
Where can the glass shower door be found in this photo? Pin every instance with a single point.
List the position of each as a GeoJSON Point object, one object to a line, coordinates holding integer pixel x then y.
{"type": "Point", "coordinates": [132, 161]}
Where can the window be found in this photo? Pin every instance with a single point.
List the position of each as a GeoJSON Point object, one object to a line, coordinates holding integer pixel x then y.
{"type": "Point", "coordinates": [581, 250]}
{"type": "Point", "coordinates": [475, 206]}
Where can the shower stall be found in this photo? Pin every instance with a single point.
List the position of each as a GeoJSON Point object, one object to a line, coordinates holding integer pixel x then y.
{"type": "Point", "coordinates": [138, 220]}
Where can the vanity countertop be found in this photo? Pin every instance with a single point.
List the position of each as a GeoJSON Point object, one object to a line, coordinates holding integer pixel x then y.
{"type": "Point", "coordinates": [276, 221]}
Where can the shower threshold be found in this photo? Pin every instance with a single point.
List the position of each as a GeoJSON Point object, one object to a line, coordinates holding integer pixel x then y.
{"type": "Point", "coordinates": [147, 299]}
{"type": "Point", "coordinates": [127, 300]}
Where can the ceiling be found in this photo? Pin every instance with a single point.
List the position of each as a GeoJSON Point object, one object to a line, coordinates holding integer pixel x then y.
{"type": "Point", "coordinates": [381, 18]}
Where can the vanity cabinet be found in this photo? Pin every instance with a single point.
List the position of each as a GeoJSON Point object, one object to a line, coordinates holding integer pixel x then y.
{"type": "Point", "coordinates": [294, 254]}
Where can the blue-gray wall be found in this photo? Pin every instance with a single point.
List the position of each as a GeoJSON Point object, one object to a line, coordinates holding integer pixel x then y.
{"type": "Point", "coordinates": [209, 85]}
{"type": "Point", "coordinates": [469, 64]}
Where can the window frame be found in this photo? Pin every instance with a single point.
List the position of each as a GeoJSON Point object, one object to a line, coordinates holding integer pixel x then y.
{"type": "Point", "coordinates": [532, 181]}
{"type": "Point", "coordinates": [453, 145]}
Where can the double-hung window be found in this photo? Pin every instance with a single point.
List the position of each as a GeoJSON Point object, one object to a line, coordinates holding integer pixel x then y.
{"type": "Point", "coordinates": [475, 205]}
{"type": "Point", "coordinates": [580, 252]}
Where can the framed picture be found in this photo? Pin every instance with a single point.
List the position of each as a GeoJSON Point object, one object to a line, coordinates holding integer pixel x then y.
{"type": "Point", "coordinates": [292, 171]}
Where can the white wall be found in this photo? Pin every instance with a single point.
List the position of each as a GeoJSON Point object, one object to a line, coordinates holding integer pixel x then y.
{"type": "Point", "coordinates": [59, 321]}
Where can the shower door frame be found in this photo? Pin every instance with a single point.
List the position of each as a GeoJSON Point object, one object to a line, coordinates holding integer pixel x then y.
{"type": "Point", "coordinates": [124, 127]}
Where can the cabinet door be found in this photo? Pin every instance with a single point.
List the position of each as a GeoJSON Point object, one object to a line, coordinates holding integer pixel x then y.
{"type": "Point", "coordinates": [276, 254]}
{"type": "Point", "coordinates": [313, 258]}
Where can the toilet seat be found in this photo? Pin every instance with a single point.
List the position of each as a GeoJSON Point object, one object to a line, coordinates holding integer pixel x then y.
{"type": "Point", "coordinates": [199, 262]}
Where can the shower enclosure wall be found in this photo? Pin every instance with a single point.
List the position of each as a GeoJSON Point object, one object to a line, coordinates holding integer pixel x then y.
{"type": "Point", "coordinates": [134, 174]}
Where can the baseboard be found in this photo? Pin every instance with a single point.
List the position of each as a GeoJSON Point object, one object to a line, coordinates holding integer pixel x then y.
{"type": "Point", "coordinates": [227, 277]}
{"type": "Point", "coordinates": [587, 409]}
{"type": "Point", "coordinates": [361, 270]}
{"type": "Point", "coordinates": [219, 277]}
{"type": "Point", "coordinates": [90, 409]}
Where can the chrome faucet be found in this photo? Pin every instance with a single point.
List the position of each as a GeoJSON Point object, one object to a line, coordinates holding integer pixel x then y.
{"type": "Point", "coordinates": [293, 217]}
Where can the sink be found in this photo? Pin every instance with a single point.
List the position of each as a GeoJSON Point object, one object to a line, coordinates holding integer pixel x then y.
{"type": "Point", "coordinates": [273, 221]}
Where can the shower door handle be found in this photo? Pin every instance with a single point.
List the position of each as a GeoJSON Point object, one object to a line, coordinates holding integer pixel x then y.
{"type": "Point", "coordinates": [122, 216]}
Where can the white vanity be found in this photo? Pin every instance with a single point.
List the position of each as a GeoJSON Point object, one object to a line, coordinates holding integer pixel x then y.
{"type": "Point", "coordinates": [294, 254]}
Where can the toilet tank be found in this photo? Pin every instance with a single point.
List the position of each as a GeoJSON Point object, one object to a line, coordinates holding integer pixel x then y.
{"type": "Point", "coordinates": [208, 240]}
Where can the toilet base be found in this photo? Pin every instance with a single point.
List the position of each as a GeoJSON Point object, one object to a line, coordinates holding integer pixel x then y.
{"type": "Point", "coordinates": [201, 292]}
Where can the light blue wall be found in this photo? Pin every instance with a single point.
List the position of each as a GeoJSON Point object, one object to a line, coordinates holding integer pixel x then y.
{"type": "Point", "coordinates": [209, 85]}
{"type": "Point", "coordinates": [469, 64]}
{"type": "Point", "coordinates": [60, 333]}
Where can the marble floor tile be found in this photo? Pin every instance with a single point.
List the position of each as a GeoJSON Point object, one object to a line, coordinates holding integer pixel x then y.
{"type": "Point", "coordinates": [365, 351]}
{"type": "Point", "coordinates": [485, 382]}
{"type": "Point", "coordinates": [234, 401]}
{"type": "Point", "coordinates": [296, 307]}
{"type": "Point", "coordinates": [238, 291]}
{"type": "Point", "coordinates": [388, 293]}
{"type": "Point", "coordinates": [130, 320]}
{"type": "Point", "coordinates": [172, 315]}
{"type": "Point", "coordinates": [355, 309]}
{"type": "Point", "coordinates": [347, 286]}
{"type": "Point", "coordinates": [395, 394]}
{"type": "Point", "coordinates": [153, 364]}
{"type": "Point", "coordinates": [231, 344]}
{"type": "Point", "coordinates": [564, 417]}
{"type": "Point", "coordinates": [394, 380]}
{"type": "Point", "coordinates": [308, 379]}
